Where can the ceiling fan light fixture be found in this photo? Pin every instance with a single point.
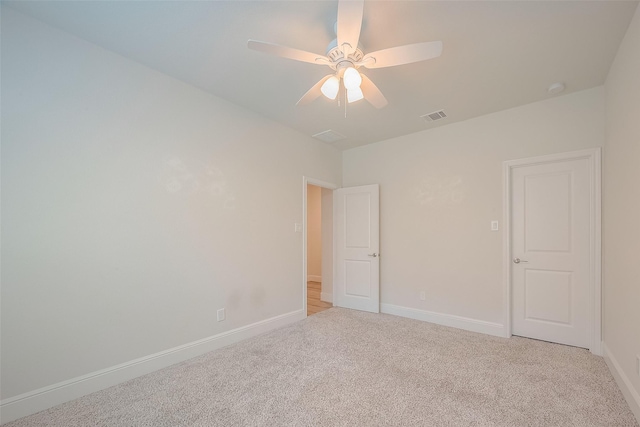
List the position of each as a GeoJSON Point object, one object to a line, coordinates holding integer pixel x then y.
{"type": "Point", "coordinates": [352, 78]}
{"type": "Point", "coordinates": [331, 87]}
{"type": "Point", "coordinates": [354, 95]}
{"type": "Point", "coordinates": [345, 56]}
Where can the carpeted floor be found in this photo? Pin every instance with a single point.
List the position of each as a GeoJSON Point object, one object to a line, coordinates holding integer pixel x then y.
{"type": "Point", "coordinates": [350, 368]}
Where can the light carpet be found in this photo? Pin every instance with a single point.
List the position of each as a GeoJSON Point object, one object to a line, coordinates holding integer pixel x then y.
{"type": "Point", "coordinates": [350, 368]}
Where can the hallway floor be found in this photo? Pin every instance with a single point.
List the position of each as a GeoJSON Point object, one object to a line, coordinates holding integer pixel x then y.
{"type": "Point", "coordinates": [314, 304]}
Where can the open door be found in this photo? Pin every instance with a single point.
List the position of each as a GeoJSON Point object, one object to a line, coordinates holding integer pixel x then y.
{"type": "Point", "coordinates": [357, 243]}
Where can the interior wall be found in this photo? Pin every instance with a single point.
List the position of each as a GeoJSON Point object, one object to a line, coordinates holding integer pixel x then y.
{"type": "Point", "coordinates": [441, 188]}
{"type": "Point", "coordinates": [314, 233]}
{"type": "Point", "coordinates": [621, 210]}
{"type": "Point", "coordinates": [133, 207]}
{"type": "Point", "coordinates": [327, 245]}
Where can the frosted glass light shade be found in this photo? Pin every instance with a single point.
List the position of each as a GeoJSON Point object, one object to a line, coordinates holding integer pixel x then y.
{"type": "Point", "coordinates": [354, 95]}
{"type": "Point", "coordinates": [331, 87]}
{"type": "Point", "coordinates": [352, 78]}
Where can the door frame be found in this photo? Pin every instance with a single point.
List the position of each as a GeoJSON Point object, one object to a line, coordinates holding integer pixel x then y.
{"type": "Point", "coordinates": [329, 186]}
{"type": "Point", "coordinates": [594, 156]}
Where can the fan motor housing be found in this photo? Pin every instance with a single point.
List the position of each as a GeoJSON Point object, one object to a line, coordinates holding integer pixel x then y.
{"type": "Point", "coordinates": [335, 54]}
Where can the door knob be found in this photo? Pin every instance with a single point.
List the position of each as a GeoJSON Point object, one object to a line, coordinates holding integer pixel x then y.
{"type": "Point", "coordinates": [374, 255]}
{"type": "Point", "coordinates": [518, 260]}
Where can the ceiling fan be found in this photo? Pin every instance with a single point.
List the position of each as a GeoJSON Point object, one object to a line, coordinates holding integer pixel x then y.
{"type": "Point", "coordinates": [345, 56]}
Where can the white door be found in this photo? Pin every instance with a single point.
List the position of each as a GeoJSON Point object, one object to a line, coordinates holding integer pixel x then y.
{"type": "Point", "coordinates": [551, 251]}
{"type": "Point", "coordinates": [357, 281]}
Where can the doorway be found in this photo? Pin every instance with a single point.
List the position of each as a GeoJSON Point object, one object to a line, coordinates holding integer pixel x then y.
{"type": "Point", "coordinates": [552, 256]}
{"type": "Point", "coordinates": [318, 246]}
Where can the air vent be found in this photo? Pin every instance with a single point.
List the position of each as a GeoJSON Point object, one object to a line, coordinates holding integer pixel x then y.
{"type": "Point", "coordinates": [329, 136]}
{"type": "Point", "coordinates": [436, 115]}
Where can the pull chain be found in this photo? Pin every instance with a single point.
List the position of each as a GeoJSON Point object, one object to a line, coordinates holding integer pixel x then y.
{"type": "Point", "coordinates": [345, 102]}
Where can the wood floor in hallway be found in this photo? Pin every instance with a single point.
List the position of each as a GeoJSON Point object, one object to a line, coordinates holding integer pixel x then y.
{"type": "Point", "coordinates": [314, 304]}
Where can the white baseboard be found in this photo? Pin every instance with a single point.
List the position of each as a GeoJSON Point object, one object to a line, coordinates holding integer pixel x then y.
{"type": "Point", "coordinates": [630, 394]}
{"type": "Point", "coordinates": [47, 397]}
{"type": "Point", "coordinates": [312, 278]}
{"type": "Point", "coordinates": [326, 297]}
{"type": "Point", "coordinates": [465, 323]}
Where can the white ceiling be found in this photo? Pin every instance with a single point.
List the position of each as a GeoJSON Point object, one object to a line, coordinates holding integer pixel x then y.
{"type": "Point", "coordinates": [497, 54]}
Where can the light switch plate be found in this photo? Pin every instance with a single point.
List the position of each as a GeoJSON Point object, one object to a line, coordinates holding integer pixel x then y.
{"type": "Point", "coordinates": [494, 226]}
{"type": "Point", "coordinates": [297, 227]}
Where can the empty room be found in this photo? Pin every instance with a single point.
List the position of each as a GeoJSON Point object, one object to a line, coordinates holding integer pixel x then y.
{"type": "Point", "coordinates": [331, 213]}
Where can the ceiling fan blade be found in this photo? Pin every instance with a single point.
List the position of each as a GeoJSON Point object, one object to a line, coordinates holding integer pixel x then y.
{"type": "Point", "coordinates": [402, 55]}
{"type": "Point", "coordinates": [349, 24]}
{"type": "Point", "coordinates": [287, 52]}
{"type": "Point", "coordinates": [372, 93]}
{"type": "Point", "coordinates": [314, 92]}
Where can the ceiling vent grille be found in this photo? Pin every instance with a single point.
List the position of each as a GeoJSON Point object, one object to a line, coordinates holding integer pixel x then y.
{"type": "Point", "coordinates": [436, 115]}
{"type": "Point", "coordinates": [329, 136]}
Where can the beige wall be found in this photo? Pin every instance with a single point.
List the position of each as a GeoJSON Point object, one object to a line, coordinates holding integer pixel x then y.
{"type": "Point", "coordinates": [314, 233]}
{"type": "Point", "coordinates": [133, 207]}
{"type": "Point", "coordinates": [440, 189]}
{"type": "Point", "coordinates": [621, 211]}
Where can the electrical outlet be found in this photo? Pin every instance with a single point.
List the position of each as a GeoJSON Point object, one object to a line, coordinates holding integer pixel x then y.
{"type": "Point", "coordinates": [221, 315]}
{"type": "Point", "coordinates": [297, 227]}
{"type": "Point", "coordinates": [423, 295]}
